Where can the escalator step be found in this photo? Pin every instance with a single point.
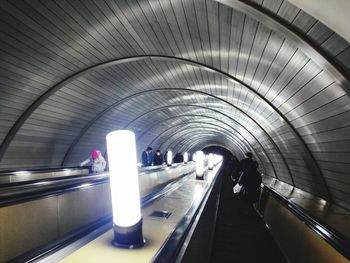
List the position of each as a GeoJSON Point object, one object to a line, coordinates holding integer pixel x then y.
{"type": "Point", "coordinates": [240, 234]}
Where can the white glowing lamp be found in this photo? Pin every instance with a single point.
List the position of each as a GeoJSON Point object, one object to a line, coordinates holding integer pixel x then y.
{"type": "Point", "coordinates": [198, 193]}
{"type": "Point", "coordinates": [169, 158]}
{"type": "Point", "coordinates": [194, 157]}
{"type": "Point", "coordinates": [211, 161]}
{"type": "Point", "coordinates": [127, 219]}
{"type": "Point", "coordinates": [185, 157]}
{"type": "Point", "coordinates": [199, 165]}
{"type": "Point", "coordinates": [217, 158]}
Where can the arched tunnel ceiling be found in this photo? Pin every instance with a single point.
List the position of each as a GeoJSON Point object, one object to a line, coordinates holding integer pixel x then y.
{"type": "Point", "coordinates": [262, 76]}
{"type": "Point", "coordinates": [328, 12]}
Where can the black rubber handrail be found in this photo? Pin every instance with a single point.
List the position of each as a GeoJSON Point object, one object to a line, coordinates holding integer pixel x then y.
{"type": "Point", "coordinates": [45, 181]}
{"type": "Point", "coordinates": [63, 169]}
{"type": "Point", "coordinates": [142, 170]}
{"type": "Point", "coordinates": [340, 242]}
{"type": "Point", "coordinates": [45, 188]}
{"type": "Point", "coordinates": [42, 170]}
{"type": "Point", "coordinates": [148, 169]}
{"type": "Point", "coordinates": [22, 189]}
{"type": "Point", "coordinates": [29, 190]}
{"type": "Point", "coordinates": [170, 251]}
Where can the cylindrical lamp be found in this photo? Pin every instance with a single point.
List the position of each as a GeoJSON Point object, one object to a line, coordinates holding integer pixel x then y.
{"type": "Point", "coordinates": [217, 158]}
{"type": "Point", "coordinates": [185, 157]}
{"type": "Point", "coordinates": [127, 218]}
{"type": "Point", "coordinates": [169, 158]}
{"type": "Point", "coordinates": [194, 157]}
{"type": "Point", "coordinates": [211, 161]}
{"type": "Point", "coordinates": [199, 165]}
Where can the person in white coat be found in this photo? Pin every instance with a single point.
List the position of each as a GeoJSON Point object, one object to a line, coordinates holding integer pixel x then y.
{"type": "Point", "coordinates": [96, 161]}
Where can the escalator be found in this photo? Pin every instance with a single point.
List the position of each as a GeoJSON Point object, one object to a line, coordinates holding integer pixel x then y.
{"type": "Point", "coordinates": [240, 234]}
{"type": "Point", "coordinates": [41, 216]}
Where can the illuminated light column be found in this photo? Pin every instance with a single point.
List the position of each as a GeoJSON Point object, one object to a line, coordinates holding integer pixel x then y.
{"type": "Point", "coordinates": [217, 158]}
{"type": "Point", "coordinates": [185, 157]}
{"type": "Point", "coordinates": [197, 193]}
{"type": "Point", "coordinates": [199, 165]}
{"type": "Point", "coordinates": [211, 161]}
{"type": "Point", "coordinates": [169, 158]}
{"type": "Point", "coordinates": [127, 218]}
{"type": "Point", "coordinates": [194, 157]}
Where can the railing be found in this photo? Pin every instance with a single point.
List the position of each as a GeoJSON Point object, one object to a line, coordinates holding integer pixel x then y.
{"type": "Point", "coordinates": [11, 194]}
{"type": "Point", "coordinates": [17, 176]}
{"type": "Point", "coordinates": [340, 242]}
{"type": "Point", "coordinates": [28, 190]}
{"type": "Point", "coordinates": [175, 248]}
{"type": "Point", "coordinates": [9, 177]}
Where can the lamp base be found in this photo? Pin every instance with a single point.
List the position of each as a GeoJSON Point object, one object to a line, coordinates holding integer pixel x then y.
{"type": "Point", "coordinates": [199, 177]}
{"type": "Point", "coordinates": [169, 164]}
{"type": "Point", "coordinates": [128, 237]}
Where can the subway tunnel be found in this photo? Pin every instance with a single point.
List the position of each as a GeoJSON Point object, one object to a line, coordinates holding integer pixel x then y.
{"type": "Point", "coordinates": [266, 76]}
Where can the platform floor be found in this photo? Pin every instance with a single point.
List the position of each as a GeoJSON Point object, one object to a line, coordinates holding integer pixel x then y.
{"type": "Point", "coordinates": [241, 235]}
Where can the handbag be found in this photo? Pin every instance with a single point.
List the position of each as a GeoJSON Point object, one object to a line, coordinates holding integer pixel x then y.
{"type": "Point", "coordinates": [242, 190]}
{"type": "Point", "coordinates": [237, 188]}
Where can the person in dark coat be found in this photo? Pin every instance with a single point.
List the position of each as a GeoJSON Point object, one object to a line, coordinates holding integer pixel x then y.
{"type": "Point", "coordinates": [231, 164]}
{"type": "Point", "coordinates": [250, 181]}
{"type": "Point", "coordinates": [147, 157]}
{"type": "Point", "coordinates": [242, 166]}
{"type": "Point", "coordinates": [178, 158]}
{"type": "Point", "coordinates": [158, 158]}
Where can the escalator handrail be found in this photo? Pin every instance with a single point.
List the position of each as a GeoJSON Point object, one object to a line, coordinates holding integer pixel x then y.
{"type": "Point", "coordinates": [42, 170]}
{"type": "Point", "coordinates": [332, 236]}
{"type": "Point", "coordinates": [68, 168]}
{"type": "Point", "coordinates": [29, 190]}
{"type": "Point", "coordinates": [45, 188]}
{"type": "Point", "coordinates": [142, 171]}
{"type": "Point", "coordinates": [170, 251]}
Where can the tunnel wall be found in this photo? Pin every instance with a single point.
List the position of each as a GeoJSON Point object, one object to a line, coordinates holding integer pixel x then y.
{"type": "Point", "coordinates": [259, 76]}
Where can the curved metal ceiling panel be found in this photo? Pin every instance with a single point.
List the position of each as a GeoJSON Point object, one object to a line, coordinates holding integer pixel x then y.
{"type": "Point", "coordinates": [184, 98]}
{"type": "Point", "coordinates": [313, 30]}
{"type": "Point", "coordinates": [164, 125]}
{"type": "Point", "coordinates": [275, 83]}
{"type": "Point", "coordinates": [184, 136]}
